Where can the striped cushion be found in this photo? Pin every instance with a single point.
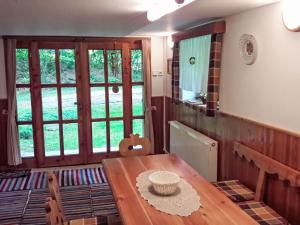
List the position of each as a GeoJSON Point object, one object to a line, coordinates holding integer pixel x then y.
{"type": "Point", "coordinates": [235, 190]}
{"type": "Point", "coordinates": [262, 213]}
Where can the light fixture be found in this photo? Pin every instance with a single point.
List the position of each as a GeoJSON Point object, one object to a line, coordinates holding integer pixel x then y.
{"type": "Point", "coordinates": [155, 12]}
{"type": "Point", "coordinates": [160, 8]}
{"type": "Point", "coordinates": [291, 15]}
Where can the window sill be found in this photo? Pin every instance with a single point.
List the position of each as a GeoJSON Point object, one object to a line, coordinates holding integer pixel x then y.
{"type": "Point", "coordinates": [198, 105]}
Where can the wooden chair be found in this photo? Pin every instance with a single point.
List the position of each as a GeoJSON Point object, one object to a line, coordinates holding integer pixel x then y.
{"type": "Point", "coordinates": [135, 140]}
{"type": "Point", "coordinates": [54, 191]}
{"type": "Point", "coordinates": [53, 215]}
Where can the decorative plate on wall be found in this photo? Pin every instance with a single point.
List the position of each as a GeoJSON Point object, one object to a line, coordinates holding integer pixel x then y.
{"type": "Point", "coordinates": [248, 48]}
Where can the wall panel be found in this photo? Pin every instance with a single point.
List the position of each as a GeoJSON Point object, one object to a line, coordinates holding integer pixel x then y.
{"type": "Point", "coordinates": [275, 143]}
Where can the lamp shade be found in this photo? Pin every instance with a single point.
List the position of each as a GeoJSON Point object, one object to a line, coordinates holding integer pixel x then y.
{"type": "Point", "coordinates": [291, 15]}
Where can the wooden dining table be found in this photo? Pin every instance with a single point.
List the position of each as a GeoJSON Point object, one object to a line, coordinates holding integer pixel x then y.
{"type": "Point", "coordinates": [216, 208]}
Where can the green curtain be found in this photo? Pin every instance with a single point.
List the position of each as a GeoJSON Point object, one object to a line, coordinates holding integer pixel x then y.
{"type": "Point", "coordinates": [193, 77]}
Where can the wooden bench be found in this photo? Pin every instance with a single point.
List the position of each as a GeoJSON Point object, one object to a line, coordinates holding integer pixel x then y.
{"type": "Point", "coordinates": [252, 202]}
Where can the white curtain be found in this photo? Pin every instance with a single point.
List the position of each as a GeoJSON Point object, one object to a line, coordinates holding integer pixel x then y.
{"type": "Point", "coordinates": [148, 129]}
{"type": "Point", "coordinates": [193, 77]}
{"type": "Point", "coordinates": [13, 148]}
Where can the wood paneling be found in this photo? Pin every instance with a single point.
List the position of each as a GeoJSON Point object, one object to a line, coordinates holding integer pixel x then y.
{"type": "Point", "coordinates": [158, 124]}
{"type": "Point", "coordinates": [280, 145]}
{"type": "Point", "coordinates": [211, 28]}
{"type": "Point", "coordinates": [3, 125]}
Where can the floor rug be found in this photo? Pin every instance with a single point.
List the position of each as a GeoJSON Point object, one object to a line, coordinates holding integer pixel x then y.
{"type": "Point", "coordinates": [66, 177]}
{"type": "Point", "coordinates": [14, 174]}
{"type": "Point", "coordinates": [82, 201]}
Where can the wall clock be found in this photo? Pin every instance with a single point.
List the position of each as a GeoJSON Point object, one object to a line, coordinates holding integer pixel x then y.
{"type": "Point", "coordinates": [248, 48]}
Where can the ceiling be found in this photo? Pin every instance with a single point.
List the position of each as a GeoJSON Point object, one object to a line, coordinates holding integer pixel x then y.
{"type": "Point", "coordinates": [108, 17]}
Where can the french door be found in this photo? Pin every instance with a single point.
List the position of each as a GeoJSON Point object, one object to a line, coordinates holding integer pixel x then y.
{"type": "Point", "coordinates": [115, 96]}
{"type": "Point", "coordinates": [76, 101]}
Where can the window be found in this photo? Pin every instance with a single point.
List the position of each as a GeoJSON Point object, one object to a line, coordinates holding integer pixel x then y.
{"type": "Point", "coordinates": [194, 57]}
{"type": "Point", "coordinates": [23, 95]}
{"type": "Point", "coordinates": [74, 106]}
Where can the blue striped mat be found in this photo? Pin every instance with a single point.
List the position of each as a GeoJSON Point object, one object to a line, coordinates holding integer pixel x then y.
{"type": "Point", "coordinates": [66, 177]}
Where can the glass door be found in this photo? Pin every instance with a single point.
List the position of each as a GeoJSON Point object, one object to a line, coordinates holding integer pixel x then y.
{"type": "Point", "coordinates": [59, 102]}
{"type": "Point", "coordinates": [77, 100]}
{"type": "Point", "coordinates": [106, 99]}
{"type": "Point", "coordinates": [116, 97]}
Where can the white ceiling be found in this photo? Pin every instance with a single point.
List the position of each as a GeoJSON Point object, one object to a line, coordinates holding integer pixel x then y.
{"type": "Point", "coordinates": [108, 17]}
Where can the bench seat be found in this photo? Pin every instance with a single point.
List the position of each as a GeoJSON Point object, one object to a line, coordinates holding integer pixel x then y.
{"type": "Point", "coordinates": [235, 190]}
{"type": "Point", "coordinates": [262, 213]}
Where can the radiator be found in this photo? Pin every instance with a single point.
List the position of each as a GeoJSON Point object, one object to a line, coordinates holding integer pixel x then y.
{"type": "Point", "coordinates": [198, 150]}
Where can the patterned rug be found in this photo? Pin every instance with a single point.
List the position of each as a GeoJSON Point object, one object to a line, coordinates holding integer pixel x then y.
{"type": "Point", "coordinates": [14, 174]}
{"type": "Point", "coordinates": [66, 177]}
{"type": "Point", "coordinates": [82, 201]}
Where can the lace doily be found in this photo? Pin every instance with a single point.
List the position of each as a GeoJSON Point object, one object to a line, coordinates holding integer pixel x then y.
{"type": "Point", "coordinates": [184, 202]}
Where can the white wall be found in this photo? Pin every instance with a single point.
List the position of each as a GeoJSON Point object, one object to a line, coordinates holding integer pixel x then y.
{"type": "Point", "coordinates": [269, 90]}
{"type": "Point", "coordinates": [168, 77]}
{"type": "Point", "coordinates": [2, 72]}
{"type": "Point", "coordinates": [157, 65]}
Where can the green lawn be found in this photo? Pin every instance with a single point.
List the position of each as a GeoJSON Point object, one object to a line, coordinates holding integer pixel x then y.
{"type": "Point", "coordinates": [69, 111]}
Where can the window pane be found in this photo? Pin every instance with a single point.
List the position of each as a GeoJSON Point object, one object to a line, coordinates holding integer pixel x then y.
{"type": "Point", "coordinates": [138, 127]}
{"type": "Point", "coordinates": [22, 65]}
{"type": "Point", "coordinates": [116, 134]}
{"type": "Point", "coordinates": [98, 105]}
{"type": "Point", "coordinates": [69, 103]}
{"type": "Point", "coordinates": [71, 146]}
{"type": "Point", "coordinates": [47, 66]}
{"type": "Point", "coordinates": [137, 100]}
{"type": "Point", "coordinates": [136, 65]}
{"type": "Point", "coordinates": [49, 101]}
{"type": "Point", "coordinates": [116, 102]}
{"type": "Point", "coordinates": [51, 139]}
{"type": "Point", "coordinates": [96, 60]}
{"type": "Point", "coordinates": [99, 137]}
{"type": "Point", "coordinates": [114, 61]}
{"type": "Point", "coordinates": [24, 104]}
{"type": "Point", "coordinates": [26, 140]}
{"type": "Point", "coordinates": [67, 66]}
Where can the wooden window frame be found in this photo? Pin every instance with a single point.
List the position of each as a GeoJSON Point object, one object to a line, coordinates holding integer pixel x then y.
{"type": "Point", "coordinates": [84, 120]}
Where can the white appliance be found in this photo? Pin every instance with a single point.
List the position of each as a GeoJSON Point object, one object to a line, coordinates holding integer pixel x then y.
{"type": "Point", "coordinates": [198, 150]}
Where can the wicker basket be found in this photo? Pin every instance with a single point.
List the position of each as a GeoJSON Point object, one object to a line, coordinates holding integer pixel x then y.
{"type": "Point", "coordinates": [164, 182]}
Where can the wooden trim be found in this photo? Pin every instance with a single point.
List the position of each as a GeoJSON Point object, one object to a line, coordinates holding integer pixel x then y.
{"type": "Point", "coordinates": [127, 95]}
{"type": "Point", "coordinates": [59, 103]}
{"type": "Point", "coordinates": [211, 28]}
{"type": "Point", "coordinates": [66, 42]}
{"type": "Point", "coordinates": [291, 133]}
{"type": "Point", "coordinates": [85, 114]}
{"type": "Point", "coordinates": [36, 101]}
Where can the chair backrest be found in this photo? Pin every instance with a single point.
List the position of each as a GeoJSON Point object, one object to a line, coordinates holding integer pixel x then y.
{"type": "Point", "coordinates": [134, 140]}
{"type": "Point", "coordinates": [53, 214]}
{"type": "Point", "coordinates": [266, 166]}
{"type": "Point", "coordinates": [54, 191]}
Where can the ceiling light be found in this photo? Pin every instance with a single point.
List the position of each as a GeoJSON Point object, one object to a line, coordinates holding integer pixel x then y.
{"type": "Point", "coordinates": [160, 8]}
{"type": "Point", "coordinates": [155, 13]}
{"type": "Point", "coordinates": [291, 15]}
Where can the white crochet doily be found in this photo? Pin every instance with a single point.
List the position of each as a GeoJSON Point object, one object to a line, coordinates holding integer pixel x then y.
{"type": "Point", "coordinates": [184, 202]}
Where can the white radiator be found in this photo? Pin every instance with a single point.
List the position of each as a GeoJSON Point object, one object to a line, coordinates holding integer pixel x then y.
{"type": "Point", "coordinates": [198, 150]}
